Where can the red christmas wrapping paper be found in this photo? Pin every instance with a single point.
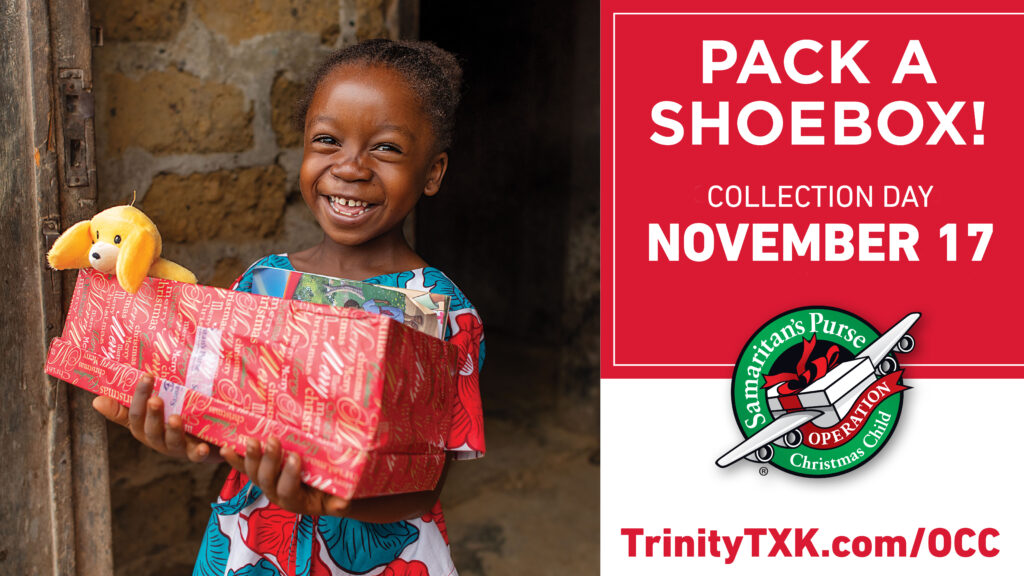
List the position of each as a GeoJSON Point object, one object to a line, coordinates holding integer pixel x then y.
{"type": "Point", "coordinates": [365, 400]}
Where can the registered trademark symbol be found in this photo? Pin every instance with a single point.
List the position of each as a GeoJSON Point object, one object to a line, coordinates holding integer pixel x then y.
{"type": "Point", "coordinates": [763, 471]}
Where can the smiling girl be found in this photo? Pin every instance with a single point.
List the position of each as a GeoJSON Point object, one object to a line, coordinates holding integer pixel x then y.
{"type": "Point", "coordinates": [377, 121]}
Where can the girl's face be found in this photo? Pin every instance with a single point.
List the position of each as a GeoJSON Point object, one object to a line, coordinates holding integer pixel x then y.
{"type": "Point", "coordinates": [368, 154]}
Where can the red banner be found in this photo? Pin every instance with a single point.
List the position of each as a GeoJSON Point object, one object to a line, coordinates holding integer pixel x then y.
{"type": "Point", "coordinates": [858, 416]}
{"type": "Point", "coordinates": [754, 163]}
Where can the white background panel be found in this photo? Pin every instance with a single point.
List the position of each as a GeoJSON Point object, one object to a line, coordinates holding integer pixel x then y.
{"type": "Point", "coordinates": [952, 462]}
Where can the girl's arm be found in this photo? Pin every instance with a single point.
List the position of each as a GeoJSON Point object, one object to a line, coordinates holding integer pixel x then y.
{"type": "Point", "coordinates": [283, 488]}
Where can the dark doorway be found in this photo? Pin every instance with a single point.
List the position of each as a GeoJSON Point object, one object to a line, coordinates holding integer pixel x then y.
{"type": "Point", "coordinates": [517, 227]}
{"type": "Point", "coordinates": [521, 196]}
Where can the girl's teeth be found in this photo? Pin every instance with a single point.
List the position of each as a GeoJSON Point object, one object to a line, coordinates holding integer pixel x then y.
{"type": "Point", "coordinates": [345, 202]}
{"type": "Point", "coordinates": [341, 206]}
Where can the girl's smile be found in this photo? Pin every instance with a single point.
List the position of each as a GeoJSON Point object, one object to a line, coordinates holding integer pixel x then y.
{"type": "Point", "coordinates": [346, 211]}
{"type": "Point", "coordinates": [350, 208]}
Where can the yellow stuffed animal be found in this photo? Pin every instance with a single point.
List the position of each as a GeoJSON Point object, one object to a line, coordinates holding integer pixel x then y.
{"type": "Point", "coordinates": [120, 240]}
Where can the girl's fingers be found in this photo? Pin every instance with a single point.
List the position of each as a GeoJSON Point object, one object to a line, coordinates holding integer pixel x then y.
{"type": "Point", "coordinates": [289, 485]}
{"type": "Point", "coordinates": [197, 451]}
{"type": "Point", "coordinates": [153, 427]}
{"type": "Point", "coordinates": [137, 410]}
{"type": "Point", "coordinates": [174, 437]}
{"type": "Point", "coordinates": [253, 455]}
{"type": "Point", "coordinates": [111, 410]}
{"type": "Point", "coordinates": [232, 458]}
{"type": "Point", "coordinates": [336, 505]}
{"type": "Point", "coordinates": [270, 468]}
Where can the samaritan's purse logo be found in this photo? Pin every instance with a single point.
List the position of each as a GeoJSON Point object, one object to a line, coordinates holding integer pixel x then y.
{"type": "Point", "coordinates": [817, 392]}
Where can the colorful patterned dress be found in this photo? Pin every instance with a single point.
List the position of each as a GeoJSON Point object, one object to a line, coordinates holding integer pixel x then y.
{"type": "Point", "coordinates": [249, 536]}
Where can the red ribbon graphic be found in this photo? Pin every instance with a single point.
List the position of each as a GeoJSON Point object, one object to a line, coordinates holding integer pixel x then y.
{"type": "Point", "coordinates": [804, 375]}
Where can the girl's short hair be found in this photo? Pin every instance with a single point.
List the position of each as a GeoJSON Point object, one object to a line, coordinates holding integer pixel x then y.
{"type": "Point", "coordinates": [432, 73]}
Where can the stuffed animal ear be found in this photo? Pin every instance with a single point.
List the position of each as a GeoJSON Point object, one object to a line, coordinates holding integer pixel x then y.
{"type": "Point", "coordinates": [71, 250]}
{"type": "Point", "coordinates": [134, 258]}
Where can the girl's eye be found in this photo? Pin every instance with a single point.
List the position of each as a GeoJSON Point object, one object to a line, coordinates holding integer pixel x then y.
{"type": "Point", "coordinates": [117, 239]}
{"type": "Point", "coordinates": [387, 147]}
{"type": "Point", "coordinates": [325, 139]}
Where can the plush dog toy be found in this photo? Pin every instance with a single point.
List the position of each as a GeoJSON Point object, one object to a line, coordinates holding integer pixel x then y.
{"type": "Point", "coordinates": [120, 240]}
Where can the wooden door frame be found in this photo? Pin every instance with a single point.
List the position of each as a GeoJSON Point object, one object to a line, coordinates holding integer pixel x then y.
{"type": "Point", "coordinates": [53, 448]}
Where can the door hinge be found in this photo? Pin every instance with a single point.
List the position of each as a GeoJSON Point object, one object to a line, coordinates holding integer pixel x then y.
{"type": "Point", "coordinates": [51, 230]}
{"type": "Point", "coordinates": [77, 108]}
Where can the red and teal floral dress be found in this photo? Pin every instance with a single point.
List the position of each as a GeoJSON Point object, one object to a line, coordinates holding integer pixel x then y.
{"type": "Point", "coordinates": [249, 536]}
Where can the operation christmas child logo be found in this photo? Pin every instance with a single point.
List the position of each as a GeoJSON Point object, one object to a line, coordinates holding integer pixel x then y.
{"type": "Point", "coordinates": [817, 392]}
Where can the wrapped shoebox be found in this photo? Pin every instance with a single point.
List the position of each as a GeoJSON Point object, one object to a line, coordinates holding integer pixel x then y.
{"type": "Point", "coordinates": [833, 394]}
{"type": "Point", "coordinates": [364, 399]}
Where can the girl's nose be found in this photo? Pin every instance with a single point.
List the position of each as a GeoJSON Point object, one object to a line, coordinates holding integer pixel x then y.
{"type": "Point", "coordinates": [350, 168]}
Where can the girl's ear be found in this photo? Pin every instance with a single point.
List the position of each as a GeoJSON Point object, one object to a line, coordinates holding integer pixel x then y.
{"type": "Point", "coordinates": [71, 250]}
{"type": "Point", "coordinates": [435, 174]}
{"type": "Point", "coordinates": [134, 259]}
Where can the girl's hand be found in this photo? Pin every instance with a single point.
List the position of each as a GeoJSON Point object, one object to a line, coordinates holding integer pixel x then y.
{"type": "Point", "coordinates": [145, 420]}
{"type": "Point", "coordinates": [282, 485]}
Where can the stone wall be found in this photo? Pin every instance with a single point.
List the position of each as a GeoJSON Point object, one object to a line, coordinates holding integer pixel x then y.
{"type": "Point", "coordinates": [193, 107]}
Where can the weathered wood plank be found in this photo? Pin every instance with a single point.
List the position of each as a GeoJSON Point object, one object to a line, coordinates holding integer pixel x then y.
{"type": "Point", "coordinates": [71, 44]}
{"type": "Point", "coordinates": [27, 536]}
{"type": "Point", "coordinates": [46, 194]}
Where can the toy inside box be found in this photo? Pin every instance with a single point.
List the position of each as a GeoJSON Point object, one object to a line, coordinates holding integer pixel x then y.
{"type": "Point", "coordinates": [419, 310]}
{"type": "Point", "coordinates": [364, 399]}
